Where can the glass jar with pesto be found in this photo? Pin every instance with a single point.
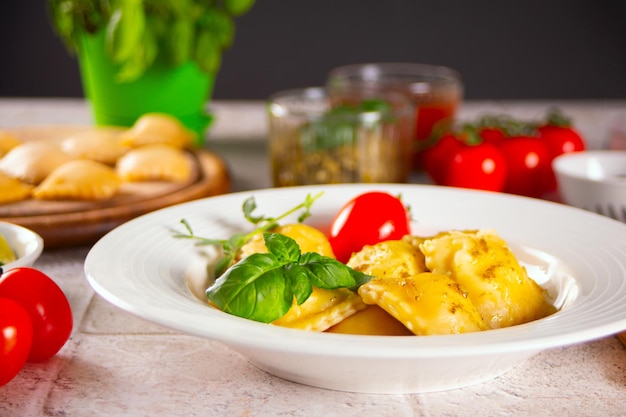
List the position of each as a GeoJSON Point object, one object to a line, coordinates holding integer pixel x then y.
{"type": "Point", "coordinates": [318, 139]}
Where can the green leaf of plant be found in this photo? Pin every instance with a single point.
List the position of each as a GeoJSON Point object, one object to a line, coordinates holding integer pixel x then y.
{"type": "Point", "coordinates": [136, 64]}
{"type": "Point", "coordinates": [208, 52]}
{"type": "Point", "coordinates": [298, 280]}
{"type": "Point", "coordinates": [330, 274]}
{"type": "Point", "coordinates": [180, 40]}
{"type": "Point", "coordinates": [282, 247]}
{"type": "Point", "coordinates": [254, 288]}
{"type": "Point", "coordinates": [125, 31]}
{"type": "Point", "coordinates": [238, 7]}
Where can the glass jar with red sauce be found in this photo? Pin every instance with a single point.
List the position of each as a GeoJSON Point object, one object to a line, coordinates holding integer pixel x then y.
{"type": "Point", "coordinates": [436, 92]}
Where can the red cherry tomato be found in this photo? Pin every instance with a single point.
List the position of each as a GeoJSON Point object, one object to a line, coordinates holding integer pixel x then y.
{"type": "Point", "coordinates": [528, 164]}
{"type": "Point", "coordinates": [47, 306]}
{"type": "Point", "coordinates": [481, 167]}
{"type": "Point", "coordinates": [365, 220]}
{"type": "Point", "coordinates": [559, 140]}
{"type": "Point", "coordinates": [492, 135]}
{"type": "Point", "coordinates": [436, 157]}
{"type": "Point", "coordinates": [16, 336]}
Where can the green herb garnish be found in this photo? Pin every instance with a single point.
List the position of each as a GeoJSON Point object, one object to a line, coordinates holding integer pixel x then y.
{"type": "Point", "coordinates": [232, 245]}
{"type": "Point", "coordinates": [262, 286]}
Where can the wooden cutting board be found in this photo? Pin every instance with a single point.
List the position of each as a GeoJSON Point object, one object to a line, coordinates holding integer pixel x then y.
{"type": "Point", "coordinates": [72, 223]}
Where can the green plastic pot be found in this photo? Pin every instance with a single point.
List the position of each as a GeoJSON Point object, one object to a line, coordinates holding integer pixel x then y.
{"type": "Point", "coordinates": [182, 91]}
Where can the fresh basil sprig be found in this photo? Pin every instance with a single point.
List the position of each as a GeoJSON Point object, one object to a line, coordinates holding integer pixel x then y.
{"type": "Point", "coordinates": [262, 286]}
{"type": "Point", "coordinates": [232, 245]}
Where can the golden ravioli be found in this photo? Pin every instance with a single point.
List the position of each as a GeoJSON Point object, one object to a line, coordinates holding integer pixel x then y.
{"type": "Point", "coordinates": [396, 258]}
{"type": "Point", "coordinates": [102, 144]}
{"type": "Point", "coordinates": [483, 264]}
{"type": "Point", "coordinates": [31, 162]}
{"type": "Point", "coordinates": [79, 180]}
{"type": "Point", "coordinates": [309, 239]}
{"type": "Point", "coordinates": [12, 190]}
{"type": "Point", "coordinates": [322, 310]}
{"type": "Point", "coordinates": [7, 142]}
{"type": "Point", "coordinates": [155, 163]}
{"type": "Point", "coordinates": [158, 128]}
{"type": "Point", "coordinates": [373, 321]}
{"type": "Point", "coordinates": [425, 303]}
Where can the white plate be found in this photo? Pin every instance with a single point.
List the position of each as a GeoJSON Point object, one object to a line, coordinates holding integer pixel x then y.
{"type": "Point", "coordinates": [579, 256]}
{"type": "Point", "coordinates": [26, 244]}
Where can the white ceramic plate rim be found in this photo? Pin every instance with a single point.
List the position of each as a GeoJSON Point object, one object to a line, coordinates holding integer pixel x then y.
{"type": "Point", "coordinates": [582, 240]}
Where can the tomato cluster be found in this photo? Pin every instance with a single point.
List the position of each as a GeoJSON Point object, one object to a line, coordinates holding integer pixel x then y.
{"type": "Point", "coordinates": [500, 153]}
{"type": "Point", "coordinates": [367, 219]}
{"type": "Point", "coordinates": [35, 319]}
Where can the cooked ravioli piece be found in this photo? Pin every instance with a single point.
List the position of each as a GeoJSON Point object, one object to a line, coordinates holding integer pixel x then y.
{"type": "Point", "coordinates": [308, 238]}
{"type": "Point", "coordinates": [322, 310]}
{"type": "Point", "coordinates": [373, 321]}
{"type": "Point", "coordinates": [12, 190]}
{"type": "Point", "coordinates": [79, 180]}
{"type": "Point", "coordinates": [426, 303]}
{"type": "Point", "coordinates": [31, 162]}
{"type": "Point", "coordinates": [395, 258]}
{"type": "Point", "coordinates": [102, 144]}
{"type": "Point", "coordinates": [482, 263]}
{"type": "Point", "coordinates": [161, 128]}
{"type": "Point", "coordinates": [7, 142]}
{"type": "Point", "coordinates": [155, 163]}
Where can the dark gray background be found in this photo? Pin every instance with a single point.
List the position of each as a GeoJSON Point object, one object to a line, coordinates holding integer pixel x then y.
{"type": "Point", "coordinates": [504, 49]}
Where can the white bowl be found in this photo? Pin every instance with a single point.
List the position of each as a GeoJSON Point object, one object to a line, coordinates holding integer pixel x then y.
{"type": "Point", "coordinates": [594, 181]}
{"type": "Point", "coordinates": [26, 244]}
{"type": "Point", "coordinates": [576, 255]}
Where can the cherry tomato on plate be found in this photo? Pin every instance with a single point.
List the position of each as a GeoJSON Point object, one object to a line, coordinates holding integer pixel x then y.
{"type": "Point", "coordinates": [528, 164]}
{"type": "Point", "coordinates": [16, 336]}
{"type": "Point", "coordinates": [47, 306]}
{"type": "Point", "coordinates": [367, 219]}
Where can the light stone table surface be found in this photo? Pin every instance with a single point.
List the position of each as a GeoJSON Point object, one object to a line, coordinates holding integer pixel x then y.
{"type": "Point", "coordinates": [118, 365]}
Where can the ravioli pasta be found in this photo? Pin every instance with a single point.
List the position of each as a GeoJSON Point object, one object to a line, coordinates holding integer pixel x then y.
{"type": "Point", "coordinates": [454, 282]}
{"type": "Point", "coordinates": [94, 163]}
{"type": "Point", "coordinates": [79, 180]}
{"type": "Point", "coordinates": [13, 190]}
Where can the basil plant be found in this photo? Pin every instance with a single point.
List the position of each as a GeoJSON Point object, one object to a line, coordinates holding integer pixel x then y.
{"type": "Point", "coordinates": [138, 31]}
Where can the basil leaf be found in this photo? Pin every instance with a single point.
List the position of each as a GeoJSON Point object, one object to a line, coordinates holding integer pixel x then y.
{"type": "Point", "coordinates": [138, 63]}
{"type": "Point", "coordinates": [298, 278]}
{"type": "Point", "coordinates": [283, 247]}
{"type": "Point", "coordinates": [255, 288]}
{"type": "Point", "coordinates": [238, 7]}
{"type": "Point", "coordinates": [125, 30]}
{"type": "Point", "coordinates": [262, 286]}
{"type": "Point", "coordinates": [207, 52]}
{"type": "Point", "coordinates": [180, 39]}
{"type": "Point", "coordinates": [330, 274]}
